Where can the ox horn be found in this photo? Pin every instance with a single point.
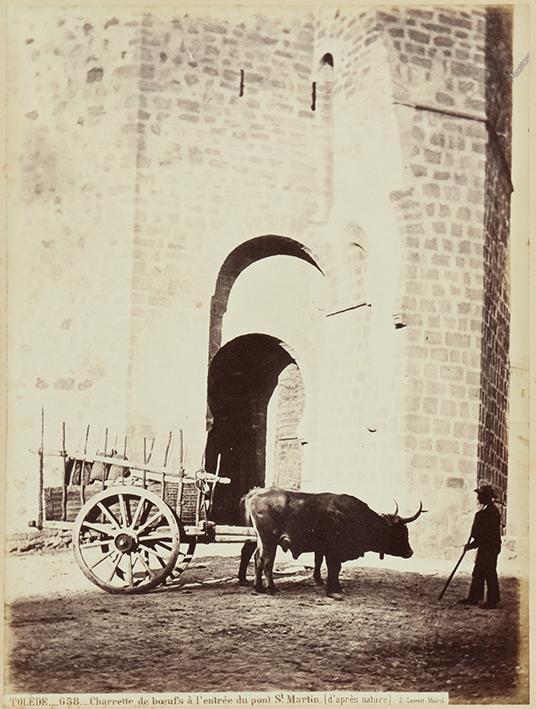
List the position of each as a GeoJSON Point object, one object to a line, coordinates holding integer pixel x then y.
{"type": "Point", "coordinates": [407, 520]}
{"type": "Point", "coordinates": [396, 510]}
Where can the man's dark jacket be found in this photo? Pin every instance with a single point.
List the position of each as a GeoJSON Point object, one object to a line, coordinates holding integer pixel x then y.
{"type": "Point", "coordinates": [486, 529]}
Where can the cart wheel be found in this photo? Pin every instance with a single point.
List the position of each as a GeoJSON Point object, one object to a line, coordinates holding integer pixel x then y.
{"type": "Point", "coordinates": [126, 539]}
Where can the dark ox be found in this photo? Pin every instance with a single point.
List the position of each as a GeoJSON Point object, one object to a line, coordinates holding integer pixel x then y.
{"type": "Point", "coordinates": [334, 527]}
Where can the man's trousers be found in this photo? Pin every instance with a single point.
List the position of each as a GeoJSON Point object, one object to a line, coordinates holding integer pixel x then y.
{"type": "Point", "coordinates": [485, 572]}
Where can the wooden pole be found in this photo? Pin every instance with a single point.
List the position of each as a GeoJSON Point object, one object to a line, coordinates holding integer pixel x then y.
{"type": "Point", "coordinates": [83, 469]}
{"type": "Point", "coordinates": [180, 488]}
{"type": "Point", "coordinates": [214, 483]}
{"type": "Point", "coordinates": [453, 571]}
{"type": "Point", "coordinates": [124, 458]}
{"type": "Point", "coordinates": [151, 451]}
{"type": "Point", "coordinates": [167, 448]}
{"type": "Point", "coordinates": [163, 490]}
{"type": "Point", "coordinates": [114, 461]}
{"type": "Point", "coordinates": [40, 515]}
{"type": "Point", "coordinates": [103, 479]}
{"type": "Point", "coordinates": [64, 490]}
{"type": "Point", "coordinates": [145, 461]}
{"type": "Point", "coordinates": [451, 576]}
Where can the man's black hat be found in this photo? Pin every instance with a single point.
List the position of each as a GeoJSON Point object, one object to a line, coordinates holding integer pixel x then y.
{"type": "Point", "coordinates": [486, 491]}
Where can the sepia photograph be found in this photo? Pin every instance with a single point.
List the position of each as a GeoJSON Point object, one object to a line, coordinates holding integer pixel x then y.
{"type": "Point", "coordinates": [266, 354]}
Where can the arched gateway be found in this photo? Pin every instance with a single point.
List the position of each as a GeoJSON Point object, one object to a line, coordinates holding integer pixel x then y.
{"type": "Point", "coordinates": [247, 425]}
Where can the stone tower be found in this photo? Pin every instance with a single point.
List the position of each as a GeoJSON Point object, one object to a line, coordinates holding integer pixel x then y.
{"type": "Point", "coordinates": [284, 231]}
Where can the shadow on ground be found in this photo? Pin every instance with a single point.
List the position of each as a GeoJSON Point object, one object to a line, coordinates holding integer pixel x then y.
{"type": "Point", "coordinates": [208, 634]}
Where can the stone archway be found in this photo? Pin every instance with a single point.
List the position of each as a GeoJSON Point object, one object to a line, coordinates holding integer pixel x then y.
{"type": "Point", "coordinates": [260, 247]}
{"type": "Point", "coordinates": [241, 380]}
{"type": "Point", "coordinates": [243, 374]}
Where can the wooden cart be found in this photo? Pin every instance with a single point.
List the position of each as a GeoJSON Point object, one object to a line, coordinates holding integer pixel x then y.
{"type": "Point", "coordinates": [134, 525]}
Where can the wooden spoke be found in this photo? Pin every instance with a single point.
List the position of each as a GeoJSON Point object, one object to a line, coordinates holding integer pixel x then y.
{"type": "Point", "coordinates": [98, 527]}
{"type": "Point", "coordinates": [151, 573]}
{"type": "Point", "coordinates": [106, 556]}
{"type": "Point", "coordinates": [138, 513]}
{"type": "Point", "coordinates": [100, 543]}
{"type": "Point", "coordinates": [144, 553]}
{"type": "Point", "coordinates": [130, 576]}
{"type": "Point", "coordinates": [154, 537]}
{"type": "Point", "coordinates": [116, 564]}
{"type": "Point", "coordinates": [109, 514]}
{"type": "Point", "coordinates": [123, 509]}
{"type": "Point", "coordinates": [161, 559]}
{"type": "Point", "coordinates": [155, 549]}
{"type": "Point", "coordinates": [150, 522]}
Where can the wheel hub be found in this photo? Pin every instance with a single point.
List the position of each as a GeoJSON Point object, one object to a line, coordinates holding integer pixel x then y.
{"type": "Point", "coordinates": [125, 542]}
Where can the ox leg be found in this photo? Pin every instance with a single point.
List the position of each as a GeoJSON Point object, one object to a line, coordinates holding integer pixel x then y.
{"type": "Point", "coordinates": [264, 562]}
{"type": "Point", "coordinates": [259, 588]}
{"type": "Point", "coordinates": [245, 556]}
{"type": "Point", "coordinates": [333, 586]}
{"type": "Point", "coordinates": [268, 565]}
{"type": "Point", "coordinates": [317, 575]}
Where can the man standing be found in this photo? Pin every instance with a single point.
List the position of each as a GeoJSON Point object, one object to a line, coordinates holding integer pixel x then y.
{"type": "Point", "coordinates": [486, 537]}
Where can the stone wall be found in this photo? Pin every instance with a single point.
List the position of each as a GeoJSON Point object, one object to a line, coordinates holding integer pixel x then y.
{"type": "Point", "coordinates": [70, 225]}
{"type": "Point", "coordinates": [440, 211]}
{"type": "Point", "coordinates": [454, 268]}
{"type": "Point", "coordinates": [495, 370]}
{"type": "Point", "coordinates": [328, 179]}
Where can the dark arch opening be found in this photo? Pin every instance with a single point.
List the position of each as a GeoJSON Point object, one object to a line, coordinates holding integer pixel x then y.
{"type": "Point", "coordinates": [327, 60]}
{"type": "Point", "coordinates": [241, 379]}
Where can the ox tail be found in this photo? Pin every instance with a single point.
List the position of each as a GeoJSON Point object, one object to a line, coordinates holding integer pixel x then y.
{"type": "Point", "coordinates": [245, 505]}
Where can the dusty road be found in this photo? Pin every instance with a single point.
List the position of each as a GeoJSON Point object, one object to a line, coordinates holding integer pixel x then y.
{"type": "Point", "coordinates": [209, 634]}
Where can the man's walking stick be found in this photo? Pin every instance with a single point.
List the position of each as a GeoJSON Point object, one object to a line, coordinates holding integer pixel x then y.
{"type": "Point", "coordinates": [454, 571]}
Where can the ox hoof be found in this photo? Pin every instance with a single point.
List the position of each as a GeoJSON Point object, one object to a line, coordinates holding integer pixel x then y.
{"type": "Point", "coordinates": [272, 590]}
{"type": "Point", "coordinates": [336, 595]}
{"type": "Point", "coordinates": [244, 582]}
{"type": "Point", "coordinates": [318, 582]}
{"type": "Point", "coordinates": [259, 589]}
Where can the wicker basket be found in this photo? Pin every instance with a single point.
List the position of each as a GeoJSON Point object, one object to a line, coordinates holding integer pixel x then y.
{"type": "Point", "coordinates": [182, 497]}
{"type": "Point", "coordinates": [54, 502]}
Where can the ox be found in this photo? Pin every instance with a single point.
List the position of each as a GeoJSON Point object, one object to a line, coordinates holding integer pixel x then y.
{"type": "Point", "coordinates": [334, 527]}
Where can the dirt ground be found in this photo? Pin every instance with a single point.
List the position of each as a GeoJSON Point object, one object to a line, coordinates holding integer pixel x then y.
{"type": "Point", "coordinates": [208, 634]}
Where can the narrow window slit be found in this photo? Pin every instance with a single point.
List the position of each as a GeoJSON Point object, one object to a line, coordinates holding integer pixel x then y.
{"type": "Point", "coordinates": [313, 97]}
{"type": "Point", "coordinates": [241, 91]}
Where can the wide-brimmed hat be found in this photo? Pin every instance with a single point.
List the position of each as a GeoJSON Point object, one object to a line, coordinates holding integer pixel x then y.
{"type": "Point", "coordinates": [486, 491]}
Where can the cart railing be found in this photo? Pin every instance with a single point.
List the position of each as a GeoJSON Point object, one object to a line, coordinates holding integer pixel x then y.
{"type": "Point", "coordinates": [152, 472]}
{"type": "Point", "coordinates": [85, 474]}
